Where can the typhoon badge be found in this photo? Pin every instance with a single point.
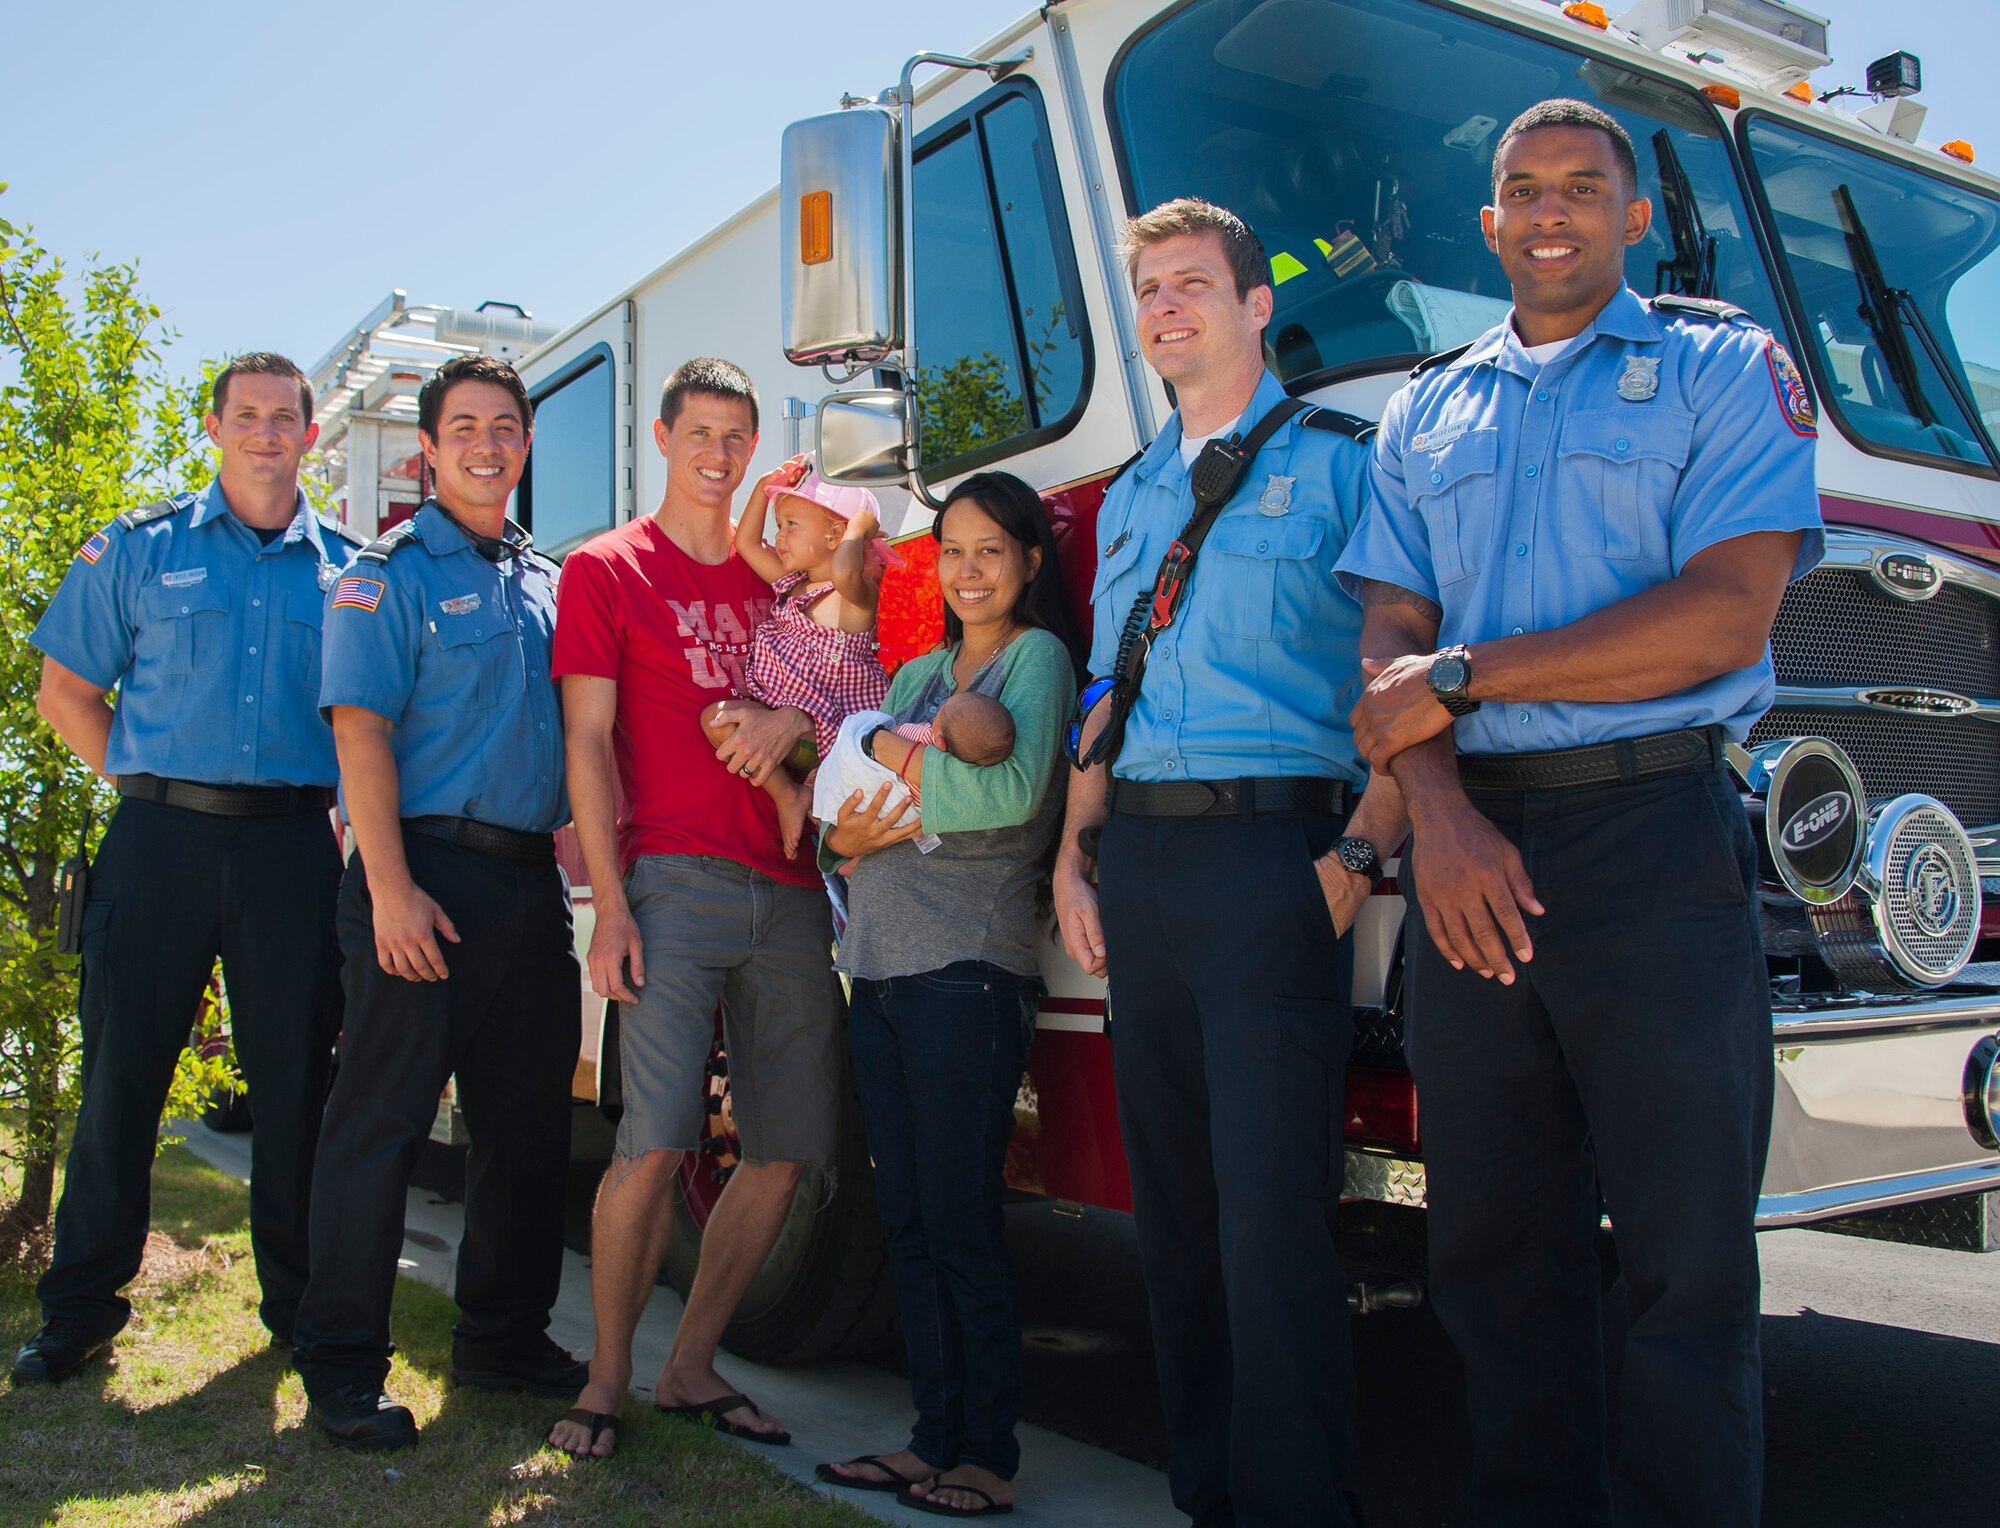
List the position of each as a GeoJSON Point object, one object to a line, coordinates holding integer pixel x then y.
{"type": "Point", "coordinates": [1640, 379]}
{"type": "Point", "coordinates": [1277, 496]}
{"type": "Point", "coordinates": [1792, 395]}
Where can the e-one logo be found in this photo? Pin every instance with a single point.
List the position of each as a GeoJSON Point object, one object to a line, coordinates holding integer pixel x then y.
{"type": "Point", "coordinates": [1815, 822]}
{"type": "Point", "coordinates": [1908, 575]}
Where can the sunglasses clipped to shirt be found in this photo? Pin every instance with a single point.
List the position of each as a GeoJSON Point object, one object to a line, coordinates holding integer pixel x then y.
{"type": "Point", "coordinates": [1093, 692]}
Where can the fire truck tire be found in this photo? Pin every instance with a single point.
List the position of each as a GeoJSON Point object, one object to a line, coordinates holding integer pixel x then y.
{"type": "Point", "coordinates": [826, 1290]}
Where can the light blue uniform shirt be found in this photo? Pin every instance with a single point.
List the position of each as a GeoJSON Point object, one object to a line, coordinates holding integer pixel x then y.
{"type": "Point", "coordinates": [211, 638]}
{"type": "Point", "coordinates": [1521, 498]}
{"type": "Point", "coordinates": [1258, 671]}
{"type": "Point", "coordinates": [454, 650]}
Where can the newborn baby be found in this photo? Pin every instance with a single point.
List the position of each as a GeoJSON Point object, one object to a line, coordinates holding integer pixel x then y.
{"type": "Point", "coordinates": [974, 728]}
{"type": "Point", "coordinates": [969, 726]}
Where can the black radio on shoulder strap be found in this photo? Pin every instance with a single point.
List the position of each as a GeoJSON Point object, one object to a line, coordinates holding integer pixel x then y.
{"type": "Point", "coordinates": [1216, 474]}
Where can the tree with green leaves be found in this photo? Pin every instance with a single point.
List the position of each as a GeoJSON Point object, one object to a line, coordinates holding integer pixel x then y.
{"type": "Point", "coordinates": [91, 424]}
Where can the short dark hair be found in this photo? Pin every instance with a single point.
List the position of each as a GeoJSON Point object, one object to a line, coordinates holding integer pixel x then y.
{"type": "Point", "coordinates": [1241, 248]}
{"type": "Point", "coordinates": [710, 375]}
{"type": "Point", "coordinates": [260, 363]}
{"type": "Point", "coordinates": [1564, 111]}
{"type": "Point", "coordinates": [469, 368]}
{"type": "Point", "coordinates": [1019, 512]}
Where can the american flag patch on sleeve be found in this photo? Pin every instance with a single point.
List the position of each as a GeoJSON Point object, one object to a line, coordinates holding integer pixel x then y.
{"type": "Point", "coordinates": [357, 594]}
{"type": "Point", "coordinates": [93, 549]}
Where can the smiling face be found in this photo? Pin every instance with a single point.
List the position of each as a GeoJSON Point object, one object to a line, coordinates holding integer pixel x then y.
{"type": "Point", "coordinates": [480, 449]}
{"type": "Point", "coordinates": [708, 449]}
{"type": "Point", "coordinates": [261, 431]}
{"type": "Point", "coordinates": [1192, 324]}
{"type": "Point", "coordinates": [803, 534]}
{"type": "Point", "coordinates": [981, 570]}
{"type": "Point", "coordinates": [1561, 220]}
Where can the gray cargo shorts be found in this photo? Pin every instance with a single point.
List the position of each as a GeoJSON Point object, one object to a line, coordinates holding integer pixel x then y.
{"type": "Point", "coordinates": [716, 931]}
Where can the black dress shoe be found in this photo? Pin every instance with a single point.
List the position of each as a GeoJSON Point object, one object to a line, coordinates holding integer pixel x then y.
{"type": "Point", "coordinates": [361, 1418]}
{"type": "Point", "coordinates": [57, 1351]}
{"type": "Point", "coordinates": [539, 1367]}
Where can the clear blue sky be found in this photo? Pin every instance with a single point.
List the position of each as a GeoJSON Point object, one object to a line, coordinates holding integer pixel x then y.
{"type": "Point", "coordinates": [278, 169]}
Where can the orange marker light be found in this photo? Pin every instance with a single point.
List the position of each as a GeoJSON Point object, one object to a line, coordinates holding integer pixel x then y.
{"type": "Point", "coordinates": [816, 227]}
{"type": "Point", "coordinates": [1801, 92]}
{"type": "Point", "coordinates": [1589, 15]}
{"type": "Point", "coordinates": [1724, 95]}
{"type": "Point", "coordinates": [1958, 148]}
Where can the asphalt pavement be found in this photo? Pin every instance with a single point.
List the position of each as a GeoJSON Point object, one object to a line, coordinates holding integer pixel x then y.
{"type": "Point", "coordinates": [1881, 1365]}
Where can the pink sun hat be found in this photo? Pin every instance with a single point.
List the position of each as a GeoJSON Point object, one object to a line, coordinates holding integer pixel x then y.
{"type": "Point", "coordinates": [841, 501]}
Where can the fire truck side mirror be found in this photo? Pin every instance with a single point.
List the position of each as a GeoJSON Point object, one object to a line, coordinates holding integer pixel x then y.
{"type": "Point", "coordinates": [840, 239]}
{"type": "Point", "coordinates": [865, 437]}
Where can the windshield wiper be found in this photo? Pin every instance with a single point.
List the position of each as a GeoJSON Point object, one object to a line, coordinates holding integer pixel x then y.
{"type": "Point", "coordinates": [1885, 309]}
{"type": "Point", "coordinates": [1693, 264]}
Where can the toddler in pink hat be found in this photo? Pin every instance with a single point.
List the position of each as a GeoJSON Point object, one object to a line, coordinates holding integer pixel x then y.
{"type": "Point", "coordinates": [816, 650]}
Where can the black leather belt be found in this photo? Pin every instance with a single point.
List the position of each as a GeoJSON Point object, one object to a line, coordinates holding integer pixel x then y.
{"type": "Point", "coordinates": [507, 844]}
{"type": "Point", "coordinates": [1628, 759]}
{"type": "Point", "coordinates": [1305, 795]}
{"type": "Point", "coordinates": [228, 800]}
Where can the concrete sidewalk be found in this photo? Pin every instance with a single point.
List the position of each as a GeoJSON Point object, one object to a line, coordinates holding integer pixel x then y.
{"type": "Point", "coordinates": [833, 1410]}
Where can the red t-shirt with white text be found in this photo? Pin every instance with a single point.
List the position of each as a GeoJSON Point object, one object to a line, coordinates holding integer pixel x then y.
{"type": "Point", "coordinates": [675, 635]}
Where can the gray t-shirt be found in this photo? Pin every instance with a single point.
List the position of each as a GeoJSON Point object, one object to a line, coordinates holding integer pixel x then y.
{"type": "Point", "coordinates": [973, 897]}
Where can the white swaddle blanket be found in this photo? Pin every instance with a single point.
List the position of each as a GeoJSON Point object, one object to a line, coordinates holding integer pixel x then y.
{"type": "Point", "coordinates": [847, 768]}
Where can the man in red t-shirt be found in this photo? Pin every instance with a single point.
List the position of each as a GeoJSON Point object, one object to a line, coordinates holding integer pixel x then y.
{"type": "Point", "coordinates": [696, 903]}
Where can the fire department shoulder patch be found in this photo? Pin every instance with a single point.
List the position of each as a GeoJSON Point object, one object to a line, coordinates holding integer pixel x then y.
{"type": "Point", "coordinates": [1792, 395]}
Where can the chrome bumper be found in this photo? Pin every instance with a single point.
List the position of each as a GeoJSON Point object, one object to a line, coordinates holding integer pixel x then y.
{"type": "Point", "coordinates": [1868, 1112]}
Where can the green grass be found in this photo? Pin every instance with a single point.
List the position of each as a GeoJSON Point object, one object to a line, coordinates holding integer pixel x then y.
{"type": "Point", "coordinates": [197, 1420]}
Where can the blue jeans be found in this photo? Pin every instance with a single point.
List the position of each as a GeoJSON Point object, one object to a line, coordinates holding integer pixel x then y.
{"type": "Point", "coordinates": [938, 1059]}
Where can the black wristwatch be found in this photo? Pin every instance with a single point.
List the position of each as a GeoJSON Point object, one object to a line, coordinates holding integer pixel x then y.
{"type": "Point", "coordinates": [1360, 858]}
{"type": "Point", "coordinates": [1450, 676]}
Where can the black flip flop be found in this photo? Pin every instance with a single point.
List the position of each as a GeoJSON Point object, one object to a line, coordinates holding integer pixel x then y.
{"type": "Point", "coordinates": [991, 1509]}
{"type": "Point", "coordinates": [710, 1414]}
{"type": "Point", "coordinates": [597, 1422]}
{"type": "Point", "coordinates": [830, 1473]}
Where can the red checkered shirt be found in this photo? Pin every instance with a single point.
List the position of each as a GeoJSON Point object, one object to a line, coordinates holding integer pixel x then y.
{"type": "Point", "coordinates": [827, 673]}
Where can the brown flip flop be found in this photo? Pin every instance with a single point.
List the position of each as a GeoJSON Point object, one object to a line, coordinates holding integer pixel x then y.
{"type": "Point", "coordinates": [710, 1414]}
{"type": "Point", "coordinates": [599, 1422]}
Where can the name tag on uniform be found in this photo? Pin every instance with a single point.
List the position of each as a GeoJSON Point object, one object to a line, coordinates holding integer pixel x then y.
{"type": "Point", "coordinates": [182, 578]}
{"type": "Point", "coordinates": [1442, 436]}
{"type": "Point", "coordinates": [463, 604]}
{"type": "Point", "coordinates": [1122, 537]}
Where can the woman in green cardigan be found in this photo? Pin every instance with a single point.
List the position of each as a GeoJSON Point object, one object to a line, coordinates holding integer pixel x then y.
{"type": "Point", "coordinates": [940, 952]}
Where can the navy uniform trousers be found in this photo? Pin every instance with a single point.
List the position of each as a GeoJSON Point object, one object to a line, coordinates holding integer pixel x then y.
{"type": "Point", "coordinates": [506, 1024]}
{"type": "Point", "coordinates": [1230, 1028]}
{"type": "Point", "coordinates": [171, 890]}
{"type": "Point", "coordinates": [1633, 1052]}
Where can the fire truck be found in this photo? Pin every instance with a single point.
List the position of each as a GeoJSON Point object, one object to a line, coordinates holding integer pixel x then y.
{"type": "Point", "coordinates": [935, 288]}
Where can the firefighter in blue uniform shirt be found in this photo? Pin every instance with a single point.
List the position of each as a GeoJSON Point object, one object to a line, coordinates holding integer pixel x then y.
{"type": "Point", "coordinates": [202, 613]}
{"type": "Point", "coordinates": [1580, 530]}
{"type": "Point", "coordinates": [1228, 887]}
{"type": "Point", "coordinates": [454, 920]}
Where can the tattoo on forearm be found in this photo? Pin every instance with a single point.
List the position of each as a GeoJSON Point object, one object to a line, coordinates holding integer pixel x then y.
{"type": "Point", "coordinates": [1375, 592]}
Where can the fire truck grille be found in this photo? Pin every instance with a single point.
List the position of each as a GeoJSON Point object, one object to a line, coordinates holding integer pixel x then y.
{"type": "Point", "coordinates": [1952, 758]}
{"type": "Point", "coordinates": [1837, 627]}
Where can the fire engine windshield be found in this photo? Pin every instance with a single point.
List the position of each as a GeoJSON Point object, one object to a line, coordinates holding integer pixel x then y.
{"type": "Point", "coordinates": [1897, 274]}
{"type": "Point", "coordinates": [1357, 137]}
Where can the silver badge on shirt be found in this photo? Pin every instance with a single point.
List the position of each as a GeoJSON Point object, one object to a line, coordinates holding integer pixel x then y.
{"type": "Point", "coordinates": [1277, 496]}
{"type": "Point", "coordinates": [328, 575]}
{"type": "Point", "coordinates": [1640, 379]}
